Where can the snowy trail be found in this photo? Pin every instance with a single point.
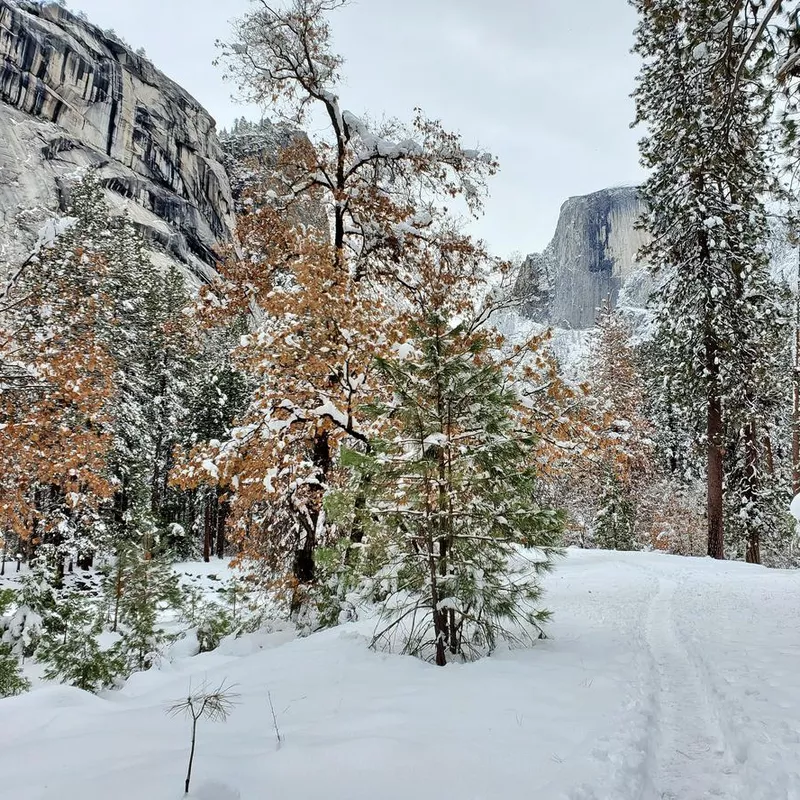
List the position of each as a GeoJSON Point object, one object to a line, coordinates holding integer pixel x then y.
{"type": "Point", "coordinates": [690, 755]}
{"type": "Point", "coordinates": [664, 679]}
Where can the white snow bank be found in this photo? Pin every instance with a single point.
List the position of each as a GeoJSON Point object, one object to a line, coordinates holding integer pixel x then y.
{"type": "Point", "coordinates": [663, 677]}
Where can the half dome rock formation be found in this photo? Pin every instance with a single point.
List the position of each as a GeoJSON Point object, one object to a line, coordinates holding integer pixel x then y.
{"type": "Point", "coordinates": [591, 257]}
{"type": "Point", "coordinates": [72, 96]}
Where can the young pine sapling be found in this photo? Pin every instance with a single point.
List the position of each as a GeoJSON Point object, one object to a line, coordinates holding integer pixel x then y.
{"type": "Point", "coordinates": [203, 703]}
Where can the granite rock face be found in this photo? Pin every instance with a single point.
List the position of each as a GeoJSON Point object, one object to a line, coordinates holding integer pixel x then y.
{"type": "Point", "coordinates": [73, 96]}
{"type": "Point", "coordinates": [591, 257]}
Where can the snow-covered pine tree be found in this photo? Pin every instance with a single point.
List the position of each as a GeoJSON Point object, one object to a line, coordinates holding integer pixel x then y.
{"type": "Point", "coordinates": [706, 112]}
{"type": "Point", "coordinates": [758, 466]}
{"type": "Point", "coordinates": [148, 584]}
{"type": "Point", "coordinates": [623, 465]}
{"type": "Point", "coordinates": [12, 681]}
{"type": "Point", "coordinates": [452, 496]}
{"type": "Point", "coordinates": [615, 519]}
{"type": "Point", "coordinates": [23, 630]}
{"type": "Point", "coordinates": [71, 647]}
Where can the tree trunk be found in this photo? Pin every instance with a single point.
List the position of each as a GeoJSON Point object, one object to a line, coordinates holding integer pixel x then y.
{"type": "Point", "coordinates": [753, 554]}
{"type": "Point", "coordinates": [716, 535]}
{"type": "Point", "coordinates": [439, 616]}
{"type": "Point", "coordinates": [222, 516]}
{"type": "Point", "coordinates": [796, 391]}
{"type": "Point", "coordinates": [207, 528]}
{"type": "Point", "coordinates": [85, 560]}
{"type": "Point", "coordinates": [304, 568]}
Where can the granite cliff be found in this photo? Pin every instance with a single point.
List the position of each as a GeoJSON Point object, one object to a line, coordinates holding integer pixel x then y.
{"type": "Point", "coordinates": [72, 96]}
{"type": "Point", "coordinates": [591, 256]}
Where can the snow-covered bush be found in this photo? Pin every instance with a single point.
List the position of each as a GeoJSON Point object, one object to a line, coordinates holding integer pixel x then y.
{"type": "Point", "coordinates": [12, 681]}
{"type": "Point", "coordinates": [71, 647]}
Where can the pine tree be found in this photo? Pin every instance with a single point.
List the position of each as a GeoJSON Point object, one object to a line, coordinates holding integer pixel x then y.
{"type": "Point", "coordinates": [707, 116]}
{"type": "Point", "coordinates": [71, 646]}
{"type": "Point", "coordinates": [624, 462]}
{"type": "Point", "coordinates": [37, 602]}
{"type": "Point", "coordinates": [12, 681]}
{"type": "Point", "coordinates": [454, 484]}
{"type": "Point", "coordinates": [615, 520]}
{"type": "Point", "coordinates": [149, 585]}
{"type": "Point", "coordinates": [451, 473]}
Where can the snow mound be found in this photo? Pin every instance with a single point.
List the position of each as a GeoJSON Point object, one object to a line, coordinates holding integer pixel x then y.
{"type": "Point", "coordinates": [662, 677]}
{"type": "Point", "coordinates": [49, 698]}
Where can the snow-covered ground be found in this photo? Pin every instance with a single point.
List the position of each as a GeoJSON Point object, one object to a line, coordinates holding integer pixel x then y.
{"type": "Point", "coordinates": [665, 677]}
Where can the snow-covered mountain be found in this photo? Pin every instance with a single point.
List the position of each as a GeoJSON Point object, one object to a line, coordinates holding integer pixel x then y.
{"type": "Point", "coordinates": [593, 255]}
{"type": "Point", "coordinates": [71, 96]}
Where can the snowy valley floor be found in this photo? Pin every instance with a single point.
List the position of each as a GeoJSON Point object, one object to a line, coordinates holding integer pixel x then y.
{"type": "Point", "coordinates": [664, 678]}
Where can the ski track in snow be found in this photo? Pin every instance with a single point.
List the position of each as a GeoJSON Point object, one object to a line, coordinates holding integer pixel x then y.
{"type": "Point", "coordinates": [691, 757]}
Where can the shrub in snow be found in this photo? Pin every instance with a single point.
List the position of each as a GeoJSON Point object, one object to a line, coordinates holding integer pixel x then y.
{"type": "Point", "coordinates": [215, 624]}
{"type": "Point", "coordinates": [71, 647]}
{"type": "Point", "coordinates": [149, 584]}
{"type": "Point", "coordinates": [23, 630]}
{"type": "Point", "coordinates": [12, 681]}
{"type": "Point", "coordinates": [614, 522]}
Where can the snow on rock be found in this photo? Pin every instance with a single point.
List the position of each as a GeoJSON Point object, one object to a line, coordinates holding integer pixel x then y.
{"type": "Point", "coordinates": [594, 255]}
{"type": "Point", "coordinates": [72, 96]}
{"type": "Point", "coordinates": [663, 677]}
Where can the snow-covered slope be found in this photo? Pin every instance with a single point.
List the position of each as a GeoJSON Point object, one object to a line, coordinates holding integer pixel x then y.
{"type": "Point", "coordinates": [664, 678]}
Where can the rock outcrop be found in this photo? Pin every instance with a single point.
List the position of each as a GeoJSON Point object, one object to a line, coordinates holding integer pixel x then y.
{"type": "Point", "coordinates": [73, 96]}
{"type": "Point", "coordinates": [591, 257]}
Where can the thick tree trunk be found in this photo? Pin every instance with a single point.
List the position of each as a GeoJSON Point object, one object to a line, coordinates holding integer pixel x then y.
{"type": "Point", "coordinates": [304, 568]}
{"type": "Point", "coordinates": [796, 392]}
{"type": "Point", "coordinates": [716, 536]}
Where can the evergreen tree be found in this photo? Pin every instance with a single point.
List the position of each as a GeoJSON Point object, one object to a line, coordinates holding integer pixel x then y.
{"type": "Point", "coordinates": [37, 603]}
{"type": "Point", "coordinates": [615, 520]}
{"type": "Point", "coordinates": [149, 585]}
{"type": "Point", "coordinates": [454, 488]}
{"type": "Point", "coordinates": [707, 113]}
{"type": "Point", "coordinates": [71, 646]}
{"type": "Point", "coordinates": [624, 462]}
{"type": "Point", "coordinates": [12, 681]}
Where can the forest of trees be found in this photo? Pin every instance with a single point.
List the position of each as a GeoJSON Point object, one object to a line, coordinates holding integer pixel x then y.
{"type": "Point", "coordinates": [338, 410]}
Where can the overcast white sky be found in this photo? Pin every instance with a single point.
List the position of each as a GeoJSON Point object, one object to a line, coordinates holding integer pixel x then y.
{"type": "Point", "coordinates": [543, 84]}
